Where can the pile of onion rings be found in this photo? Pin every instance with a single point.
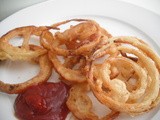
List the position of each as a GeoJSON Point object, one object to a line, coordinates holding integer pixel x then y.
{"type": "Point", "coordinates": [128, 81]}
{"type": "Point", "coordinates": [122, 72]}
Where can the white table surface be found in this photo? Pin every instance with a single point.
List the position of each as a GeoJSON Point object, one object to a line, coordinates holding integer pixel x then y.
{"type": "Point", "coordinates": [8, 7]}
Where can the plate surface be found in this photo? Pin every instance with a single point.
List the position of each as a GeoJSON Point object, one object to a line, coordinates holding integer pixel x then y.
{"type": "Point", "coordinates": [119, 18]}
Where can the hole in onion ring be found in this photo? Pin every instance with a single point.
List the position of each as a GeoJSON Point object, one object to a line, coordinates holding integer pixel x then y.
{"type": "Point", "coordinates": [17, 71]}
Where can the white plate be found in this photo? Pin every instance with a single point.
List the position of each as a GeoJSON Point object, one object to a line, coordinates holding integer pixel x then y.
{"type": "Point", "coordinates": [117, 17]}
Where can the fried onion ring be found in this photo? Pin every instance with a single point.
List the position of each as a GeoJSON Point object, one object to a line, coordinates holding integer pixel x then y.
{"type": "Point", "coordinates": [70, 75]}
{"type": "Point", "coordinates": [43, 76]}
{"type": "Point", "coordinates": [81, 105]}
{"type": "Point", "coordinates": [147, 59]}
{"type": "Point", "coordinates": [79, 39]}
{"type": "Point", "coordinates": [23, 53]}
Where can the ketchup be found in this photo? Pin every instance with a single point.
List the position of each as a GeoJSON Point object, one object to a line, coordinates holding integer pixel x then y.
{"type": "Point", "coordinates": [43, 102]}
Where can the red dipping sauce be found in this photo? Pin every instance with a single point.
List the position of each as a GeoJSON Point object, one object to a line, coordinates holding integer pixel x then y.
{"type": "Point", "coordinates": [43, 102]}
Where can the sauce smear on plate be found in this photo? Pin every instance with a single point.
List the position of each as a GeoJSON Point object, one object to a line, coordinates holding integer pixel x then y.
{"type": "Point", "coordinates": [43, 102]}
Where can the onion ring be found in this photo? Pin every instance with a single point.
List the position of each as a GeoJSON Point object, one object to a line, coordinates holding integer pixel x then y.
{"type": "Point", "coordinates": [71, 75]}
{"type": "Point", "coordinates": [43, 75]}
{"type": "Point", "coordinates": [23, 53]}
{"type": "Point", "coordinates": [140, 45]}
{"type": "Point", "coordinates": [152, 90]}
{"type": "Point", "coordinates": [79, 39]}
{"type": "Point", "coordinates": [81, 105]}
